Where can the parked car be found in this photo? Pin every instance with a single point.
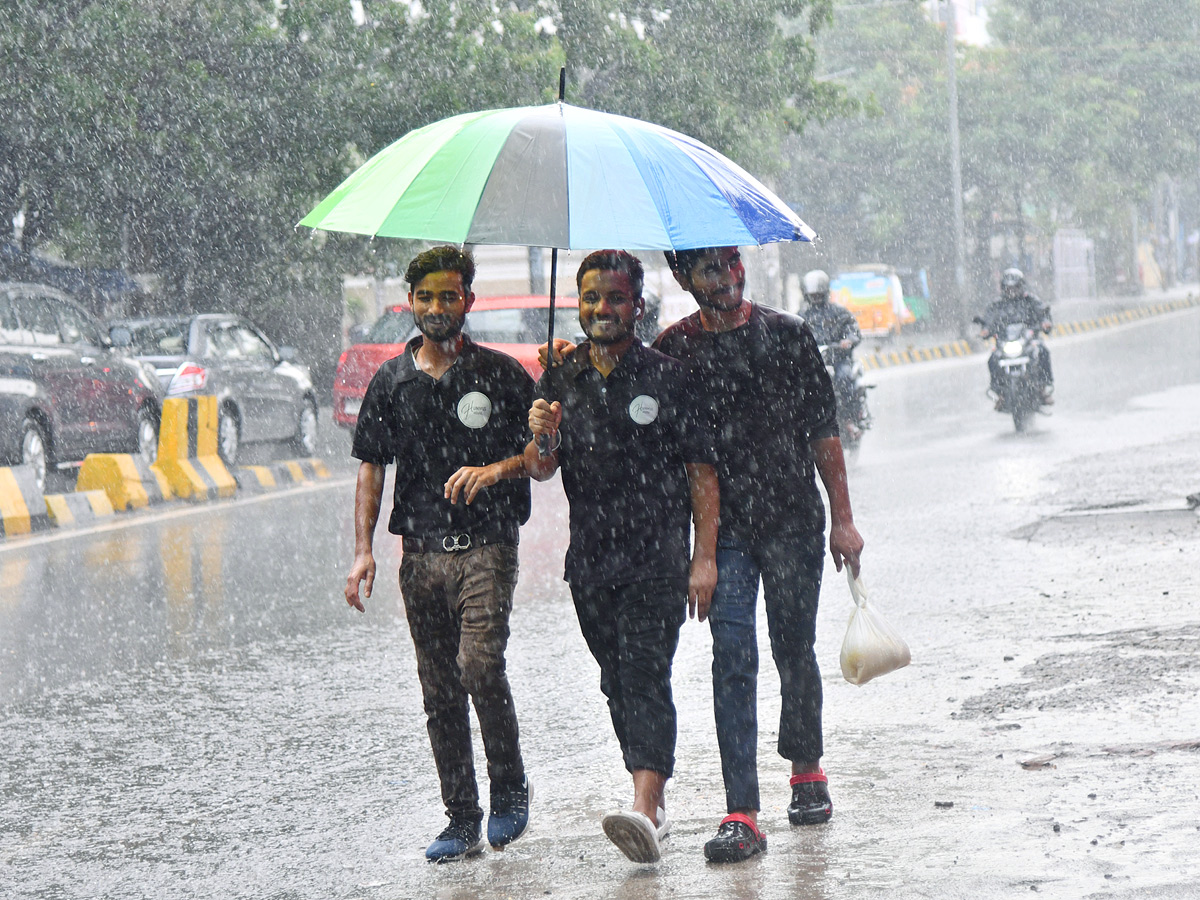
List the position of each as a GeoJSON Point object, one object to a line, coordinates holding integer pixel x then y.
{"type": "Point", "coordinates": [65, 391]}
{"type": "Point", "coordinates": [262, 394]}
{"type": "Point", "coordinates": [514, 325]}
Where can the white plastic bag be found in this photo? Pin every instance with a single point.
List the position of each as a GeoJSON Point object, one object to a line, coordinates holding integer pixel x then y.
{"type": "Point", "coordinates": [872, 647]}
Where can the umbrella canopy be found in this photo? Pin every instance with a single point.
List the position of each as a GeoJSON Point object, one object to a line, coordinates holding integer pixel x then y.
{"type": "Point", "coordinates": [557, 176]}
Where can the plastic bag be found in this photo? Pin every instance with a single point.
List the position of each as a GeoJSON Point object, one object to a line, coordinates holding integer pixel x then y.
{"type": "Point", "coordinates": [872, 647]}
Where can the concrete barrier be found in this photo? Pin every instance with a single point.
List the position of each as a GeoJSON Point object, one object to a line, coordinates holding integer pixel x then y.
{"type": "Point", "coordinates": [79, 508]}
{"type": "Point", "coordinates": [272, 477]}
{"type": "Point", "coordinates": [187, 450]}
{"type": "Point", "coordinates": [127, 480]}
{"type": "Point", "coordinates": [22, 505]}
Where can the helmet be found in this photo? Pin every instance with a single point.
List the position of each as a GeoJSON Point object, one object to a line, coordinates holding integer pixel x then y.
{"type": "Point", "coordinates": [815, 286]}
{"type": "Point", "coordinates": [1012, 283]}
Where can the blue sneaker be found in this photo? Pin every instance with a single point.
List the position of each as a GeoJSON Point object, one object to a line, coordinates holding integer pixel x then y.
{"type": "Point", "coordinates": [510, 812]}
{"type": "Point", "coordinates": [460, 839]}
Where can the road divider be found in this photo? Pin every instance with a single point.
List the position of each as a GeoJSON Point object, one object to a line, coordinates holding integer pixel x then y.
{"type": "Point", "coordinates": [22, 505]}
{"type": "Point", "coordinates": [274, 476]}
{"type": "Point", "coordinates": [128, 480]}
{"type": "Point", "coordinates": [883, 359]}
{"type": "Point", "coordinates": [79, 508]}
{"type": "Point", "coordinates": [187, 450]}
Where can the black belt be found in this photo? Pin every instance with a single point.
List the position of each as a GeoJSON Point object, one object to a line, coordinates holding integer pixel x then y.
{"type": "Point", "coordinates": [452, 543]}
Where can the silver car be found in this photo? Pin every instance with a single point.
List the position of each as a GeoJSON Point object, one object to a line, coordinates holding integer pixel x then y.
{"type": "Point", "coordinates": [262, 395]}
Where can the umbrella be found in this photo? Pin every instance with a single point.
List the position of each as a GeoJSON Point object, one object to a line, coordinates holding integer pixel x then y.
{"type": "Point", "coordinates": [557, 176]}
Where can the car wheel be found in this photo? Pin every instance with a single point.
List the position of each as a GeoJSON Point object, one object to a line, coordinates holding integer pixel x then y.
{"type": "Point", "coordinates": [228, 436]}
{"type": "Point", "coordinates": [34, 450]}
{"type": "Point", "coordinates": [147, 435]}
{"type": "Point", "coordinates": [305, 440]}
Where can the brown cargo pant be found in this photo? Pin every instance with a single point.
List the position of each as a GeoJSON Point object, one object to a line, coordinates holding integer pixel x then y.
{"type": "Point", "coordinates": [458, 606]}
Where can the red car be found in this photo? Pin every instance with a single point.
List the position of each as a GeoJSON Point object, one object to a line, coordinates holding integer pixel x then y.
{"type": "Point", "coordinates": [512, 325]}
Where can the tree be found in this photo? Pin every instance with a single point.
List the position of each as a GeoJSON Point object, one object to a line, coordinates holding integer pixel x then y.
{"type": "Point", "coordinates": [1067, 118]}
{"type": "Point", "coordinates": [182, 139]}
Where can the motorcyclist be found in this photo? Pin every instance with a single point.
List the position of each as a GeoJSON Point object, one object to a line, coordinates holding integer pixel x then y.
{"type": "Point", "coordinates": [1017, 304]}
{"type": "Point", "coordinates": [835, 327]}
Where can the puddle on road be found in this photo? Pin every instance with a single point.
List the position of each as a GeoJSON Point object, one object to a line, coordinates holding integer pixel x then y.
{"type": "Point", "coordinates": [1102, 670]}
{"type": "Point", "coordinates": [1145, 523]}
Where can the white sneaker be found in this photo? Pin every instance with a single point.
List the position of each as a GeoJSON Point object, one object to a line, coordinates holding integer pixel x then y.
{"type": "Point", "coordinates": [664, 824]}
{"type": "Point", "coordinates": [635, 835]}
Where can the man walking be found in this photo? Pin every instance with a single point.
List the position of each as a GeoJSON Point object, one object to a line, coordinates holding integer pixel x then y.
{"type": "Point", "coordinates": [619, 419]}
{"type": "Point", "coordinates": [774, 408]}
{"type": "Point", "coordinates": [452, 415]}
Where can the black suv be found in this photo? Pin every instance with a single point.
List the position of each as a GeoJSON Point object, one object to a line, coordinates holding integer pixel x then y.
{"type": "Point", "coordinates": [65, 391]}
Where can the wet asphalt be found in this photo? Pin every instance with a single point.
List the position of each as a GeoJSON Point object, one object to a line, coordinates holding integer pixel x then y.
{"type": "Point", "coordinates": [189, 709]}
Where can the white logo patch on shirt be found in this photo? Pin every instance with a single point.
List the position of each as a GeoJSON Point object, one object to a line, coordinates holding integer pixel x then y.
{"type": "Point", "coordinates": [643, 409]}
{"type": "Point", "coordinates": [474, 409]}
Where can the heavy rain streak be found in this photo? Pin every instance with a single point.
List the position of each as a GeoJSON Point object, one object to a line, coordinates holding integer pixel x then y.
{"type": "Point", "coordinates": [317, 581]}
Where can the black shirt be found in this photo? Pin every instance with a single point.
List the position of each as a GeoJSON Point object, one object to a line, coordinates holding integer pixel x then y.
{"type": "Point", "coordinates": [1011, 310]}
{"type": "Point", "coordinates": [625, 440]}
{"type": "Point", "coordinates": [476, 414]}
{"type": "Point", "coordinates": [770, 396]}
{"type": "Point", "coordinates": [831, 324]}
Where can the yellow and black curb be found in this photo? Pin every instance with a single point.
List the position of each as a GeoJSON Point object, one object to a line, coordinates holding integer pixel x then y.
{"type": "Point", "coordinates": [952, 349]}
{"type": "Point", "coordinates": [187, 468]}
{"type": "Point", "coordinates": [273, 477]}
{"type": "Point", "coordinates": [128, 480]}
{"type": "Point", "coordinates": [187, 450]}
{"type": "Point", "coordinates": [22, 507]}
{"type": "Point", "coordinates": [80, 508]}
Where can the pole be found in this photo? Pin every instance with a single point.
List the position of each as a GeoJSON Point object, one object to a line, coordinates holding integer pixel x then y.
{"type": "Point", "coordinates": [960, 248]}
{"type": "Point", "coordinates": [562, 90]}
{"type": "Point", "coordinates": [543, 444]}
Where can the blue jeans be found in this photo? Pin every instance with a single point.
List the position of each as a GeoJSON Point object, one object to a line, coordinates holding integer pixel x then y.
{"type": "Point", "coordinates": [790, 568]}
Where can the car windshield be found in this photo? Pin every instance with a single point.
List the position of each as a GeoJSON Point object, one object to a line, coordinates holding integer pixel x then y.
{"type": "Point", "coordinates": [522, 326]}
{"type": "Point", "coordinates": [159, 338]}
{"type": "Point", "coordinates": [394, 327]}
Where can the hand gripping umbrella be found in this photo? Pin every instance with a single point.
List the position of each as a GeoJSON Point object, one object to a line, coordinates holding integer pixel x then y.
{"type": "Point", "coordinates": [557, 176]}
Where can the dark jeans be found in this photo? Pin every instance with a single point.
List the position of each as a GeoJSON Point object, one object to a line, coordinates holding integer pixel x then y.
{"type": "Point", "coordinates": [632, 631]}
{"type": "Point", "coordinates": [790, 567]}
{"type": "Point", "coordinates": [458, 606]}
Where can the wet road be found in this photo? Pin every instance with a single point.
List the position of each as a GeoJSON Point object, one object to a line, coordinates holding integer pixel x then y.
{"type": "Point", "coordinates": [188, 708]}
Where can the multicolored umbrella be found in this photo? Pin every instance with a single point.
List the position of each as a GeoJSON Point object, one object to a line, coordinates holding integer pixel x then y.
{"type": "Point", "coordinates": [557, 176]}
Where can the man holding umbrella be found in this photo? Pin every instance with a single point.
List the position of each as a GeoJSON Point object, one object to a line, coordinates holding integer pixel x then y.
{"type": "Point", "coordinates": [619, 419]}
{"type": "Point", "coordinates": [773, 405]}
{"type": "Point", "coordinates": [445, 411]}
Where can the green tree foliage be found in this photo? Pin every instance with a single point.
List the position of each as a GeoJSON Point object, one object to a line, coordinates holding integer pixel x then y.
{"type": "Point", "coordinates": [874, 184]}
{"type": "Point", "coordinates": [184, 138]}
{"type": "Point", "coordinates": [1066, 118]}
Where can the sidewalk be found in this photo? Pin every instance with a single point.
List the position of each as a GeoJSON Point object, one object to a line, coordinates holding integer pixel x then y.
{"type": "Point", "coordinates": [1070, 317]}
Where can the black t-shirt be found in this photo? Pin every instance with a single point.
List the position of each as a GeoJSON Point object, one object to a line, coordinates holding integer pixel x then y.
{"type": "Point", "coordinates": [625, 440]}
{"type": "Point", "coordinates": [476, 414]}
{"type": "Point", "coordinates": [1010, 310]}
{"type": "Point", "coordinates": [769, 396]}
{"type": "Point", "coordinates": [831, 324]}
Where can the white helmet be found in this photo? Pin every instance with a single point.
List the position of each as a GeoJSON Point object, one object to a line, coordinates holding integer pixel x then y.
{"type": "Point", "coordinates": [815, 284]}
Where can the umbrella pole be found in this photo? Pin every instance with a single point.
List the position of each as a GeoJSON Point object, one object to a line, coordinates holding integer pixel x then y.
{"type": "Point", "coordinates": [543, 442]}
{"type": "Point", "coordinates": [553, 283]}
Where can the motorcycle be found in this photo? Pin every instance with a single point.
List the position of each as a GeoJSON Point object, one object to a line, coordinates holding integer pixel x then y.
{"type": "Point", "coordinates": [853, 416]}
{"type": "Point", "coordinates": [1020, 386]}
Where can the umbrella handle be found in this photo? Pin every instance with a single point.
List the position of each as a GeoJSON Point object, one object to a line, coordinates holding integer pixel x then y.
{"type": "Point", "coordinates": [542, 441]}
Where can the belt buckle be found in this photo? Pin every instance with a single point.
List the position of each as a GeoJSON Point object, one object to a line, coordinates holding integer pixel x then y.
{"type": "Point", "coordinates": [451, 542]}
